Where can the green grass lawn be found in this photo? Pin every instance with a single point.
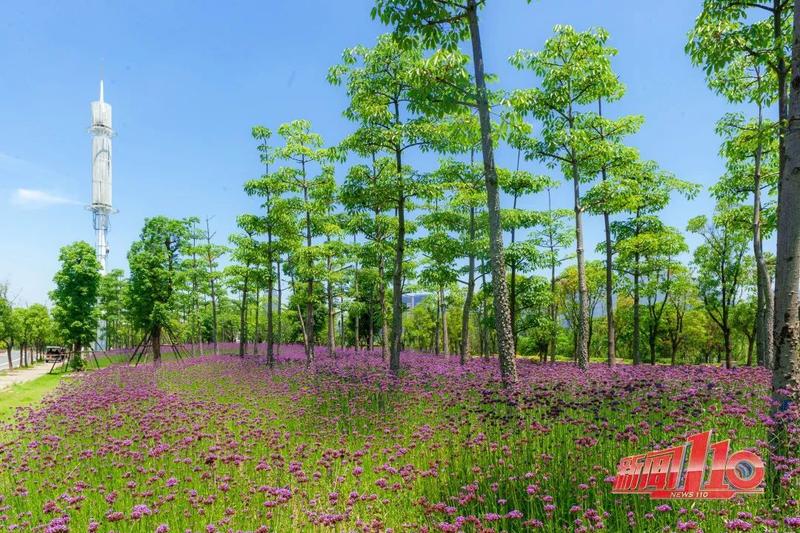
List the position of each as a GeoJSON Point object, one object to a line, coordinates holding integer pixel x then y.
{"type": "Point", "coordinates": [23, 394]}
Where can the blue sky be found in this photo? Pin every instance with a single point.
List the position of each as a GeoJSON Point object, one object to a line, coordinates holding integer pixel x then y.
{"type": "Point", "coordinates": [187, 80]}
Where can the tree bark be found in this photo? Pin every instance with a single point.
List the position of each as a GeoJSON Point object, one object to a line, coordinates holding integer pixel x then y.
{"type": "Point", "coordinates": [212, 287]}
{"type": "Point", "coordinates": [309, 318]}
{"type": "Point", "coordinates": [397, 282]}
{"type": "Point", "coordinates": [513, 266]}
{"type": "Point", "coordinates": [553, 307]}
{"type": "Point", "coordinates": [331, 313]}
{"type": "Point", "coordinates": [371, 330]}
{"type": "Point", "coordinates": [270, 288]}
{"type": "Point", "coordinates": [155, 341]}
{"type": "Point", "coordinates": [582, 348]}
{"type": "Point", "coordinates": [464, 349]}
{"type": "Point", "coordinates": [764, 301]}
{"type": "Point", "coordinates": [255, 325]}
{"type": "Point", "coordinates": [505, 336]}
{"type": "Point", "coordinates": [280, 305]}
{"type": "Point", "coordinates": [612, 348]}
{"type": "Point", "coordinates": [384, 311]}
{"type": "Point", "coordinates": [637, 355]}
{"type": "Point", "coordinates": [786, 372]}
{"type": "Point", "coordinates": [243, 315]}
{"type": "Point", "coordinates": [484, 335]}
{"type": "Point", "coordinates": [445, 333]}
{"type": "Point", "coordinates": [399, 255]}
{"type": "Point", "coordinates": [437, 323]}
{"type": "Point", "coordinates": [356, 336]}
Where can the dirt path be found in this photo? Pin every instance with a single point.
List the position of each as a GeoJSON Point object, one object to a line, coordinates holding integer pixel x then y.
{"type": "Point", "coordinates": [21, 375]}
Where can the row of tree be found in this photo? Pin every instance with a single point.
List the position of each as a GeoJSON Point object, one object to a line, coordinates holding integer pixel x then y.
{"type": "Point", "coordinates": [322, 248]}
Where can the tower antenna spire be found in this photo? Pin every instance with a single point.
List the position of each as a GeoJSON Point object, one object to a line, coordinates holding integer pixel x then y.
{"type": "Point", "coordinates": [100, 207]}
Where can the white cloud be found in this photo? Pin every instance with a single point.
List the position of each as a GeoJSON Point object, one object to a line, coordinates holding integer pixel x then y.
{"type": "Point", "coordinates": [36, 198]}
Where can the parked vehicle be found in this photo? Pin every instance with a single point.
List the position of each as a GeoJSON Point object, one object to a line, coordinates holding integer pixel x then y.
{"type": "Point", "coordinates": [55, 354]}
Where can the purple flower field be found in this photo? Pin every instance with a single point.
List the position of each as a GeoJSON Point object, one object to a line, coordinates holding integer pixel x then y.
{"type": "Point", "coordinates": [218, 443]}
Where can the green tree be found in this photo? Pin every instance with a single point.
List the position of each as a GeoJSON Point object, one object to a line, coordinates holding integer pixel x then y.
{"type": "Point", "coordinates": [569, 299]}
{"type": "Point", "coordinates": [440, 252]}
{"type": "Point", "coordinates": [75, 295]}
{"type": "Point", "coordinates": [278, 224]}
{"type": "Point", "coordinates": [641, 190]}
{"type": "Point", "coordinates": [721, 268]}
{"type": "Point", "coordinates": [750, 149]}
{"type": "Point", "coordinates": [575, 71]}
{"type": "Point", "coordinates": [683, 296]}
{"type": "Point", "coordinates": [462, 227]}
{"type": "Point", "coordinates": [246, 254]}
{"type": "Point", "coordinates": [303, 150]}
{"type": "Point", "coordinates": [154, 261]}
{"type": "Point", "coordinates": [8, 325]}
{"type": "Point", "coordinates": [210, 254]}
{"type": "Point", "coordinates": [731, 36]}
{"type": "Point", "coordinates": [553, 234]}
{"type": "Point", "coordinates": [40, 327]}
{"type": "Point", "coordinates": [112, 305]}
{"type": "Point", "coordinates": [521, 256]}
{"type": "Point", "coordinates": [660, 264]}
{"type": "Point", "coordinates": [445, 24]}
{"type": "Point", "coordinates": [388, 96]}
{"type": "Point", "coordinates": [366, 196]}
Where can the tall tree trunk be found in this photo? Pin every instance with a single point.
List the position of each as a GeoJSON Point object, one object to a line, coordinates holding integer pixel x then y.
{"type": "Point", "coordinates": [553, 310]}
{"type": "Point", "coordinates": [371, 329]}
{"type": "Point", "coordinates": [357, 325]}
{"type": "Point", "coordinates": [331, 311]}
{"type": "Point", "coordinates": [612, 347]}
{"type": "Point", "coordinates": [786, 333]}
{"type": "Point", "coordinates": [502, 312]}
{"type": "Point", "coordinates": [651, 341]}
{"type": "Point", "coordinates": [384, 311]}
{"type": "Point", "coordinates": [513, 265]}
{"type": "Point", "coordinates": [464, 349]}
{"type": "Point", "coordinates": [484, 330]}
{"type": "Point", "coordinates": [637, 354]}
{"type": "Point", "coordinates": [214, 322]}
{"type": "Point", "coordinates": [612, 332]}
{"type": "Point", "coordinates": [781, 74]}
{"type": "Point", "coordinates": [582, 348]}
{"type": "Point", "coordinates": [764, 300]}
{"type": "Point", "coordinates": [787, 273]}
{"type": "Point", "coordinates": [552, 307]}
{"type": "Point", "coordinates": [213, 290]}
{"type": "Point", "coordinates": [270, 325]}
{"type": "Point", "coordinates": [482, 314]}
{"type": "Point", "coordinates": [243, 316]}
{"type": "Point", "coordinates": [155, 341]}
{"type": "Point", "coordinates": [255, 325]}
{"type": "Point", "coordinates": [445, 332]}
{"type": "Point", "coordinates": [280, 306]}
{"type": "Point", "coordinates": [397, 281]}
{"type": "Point", "coordinates": [309, 318]}
{"type": "Point", "coordinates": [726, 334]}
{"type": "Point", "coordinates": [437, 323]}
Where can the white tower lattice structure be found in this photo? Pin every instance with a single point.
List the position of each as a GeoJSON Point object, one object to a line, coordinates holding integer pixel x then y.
{"type": "Point", "coordinates": [101, 175]}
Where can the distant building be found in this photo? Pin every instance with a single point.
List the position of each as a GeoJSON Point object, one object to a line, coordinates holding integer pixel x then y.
{"type": "Point", "coordinates": [414, 299]}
